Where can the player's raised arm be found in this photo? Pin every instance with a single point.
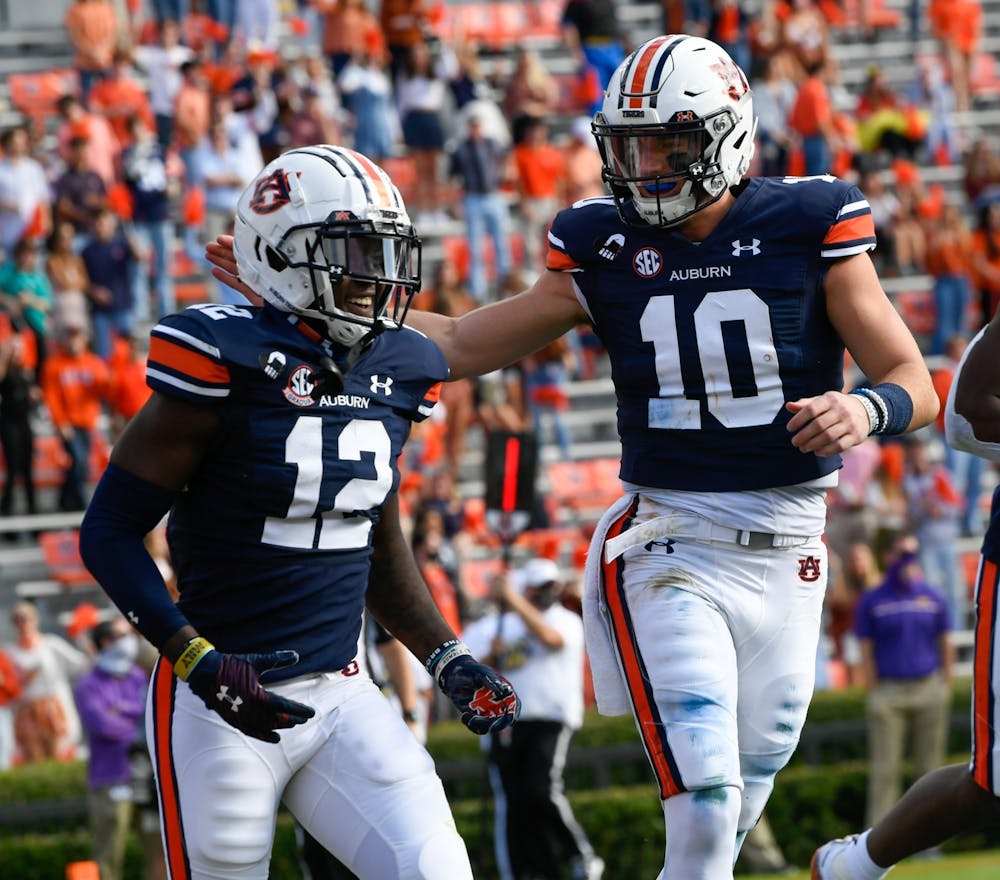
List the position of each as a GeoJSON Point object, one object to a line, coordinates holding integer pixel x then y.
{"type": "Point", "coordinates": [886, 352]}
{"type": "Point", "coordinates": [493, 336]}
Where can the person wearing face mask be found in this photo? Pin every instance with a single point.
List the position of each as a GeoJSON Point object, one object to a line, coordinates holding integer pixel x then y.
{"type": "Point", "coordinates": [539, 645]}
{"type": "Point", "coordinates": [111, 700]}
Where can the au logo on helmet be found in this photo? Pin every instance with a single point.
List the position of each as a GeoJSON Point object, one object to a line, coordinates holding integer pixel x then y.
{"type": "Point", "coordinates": [270, 193]}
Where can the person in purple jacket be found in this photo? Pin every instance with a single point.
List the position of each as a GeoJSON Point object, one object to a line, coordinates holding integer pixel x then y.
{"type": "Point", "coordinates": [111, 700]}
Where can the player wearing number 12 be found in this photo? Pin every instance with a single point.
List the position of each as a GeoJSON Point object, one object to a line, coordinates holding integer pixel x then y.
{"type": "Point", "coordinates": [725, 306]}
{"type": "Point", "coordinates": [272, 437]}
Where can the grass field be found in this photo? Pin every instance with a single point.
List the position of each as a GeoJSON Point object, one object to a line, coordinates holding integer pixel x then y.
{"type": "Point", "coordinates": [968, 866]}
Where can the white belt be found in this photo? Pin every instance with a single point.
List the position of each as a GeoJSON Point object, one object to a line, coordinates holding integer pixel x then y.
{"type": "Point", "coordinates": [697, 528]}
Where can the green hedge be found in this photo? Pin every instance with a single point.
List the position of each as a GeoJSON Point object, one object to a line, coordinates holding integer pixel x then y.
{"type": "Point", "coordinates": [625, 825]}
{"type": "Point", "coordinates": [810, 803]}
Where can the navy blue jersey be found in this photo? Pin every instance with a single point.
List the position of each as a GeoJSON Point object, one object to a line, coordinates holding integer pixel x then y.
{"type": "Point", "coordinates": [708, 341]}
{"type": "Point", "coordinates": [272, 539]}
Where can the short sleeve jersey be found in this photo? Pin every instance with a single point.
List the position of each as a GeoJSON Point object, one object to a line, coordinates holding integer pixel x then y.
{"type": "Point", "coordinates": [272, 539]}
{"type": "Point", "coordinates": [709, 340]}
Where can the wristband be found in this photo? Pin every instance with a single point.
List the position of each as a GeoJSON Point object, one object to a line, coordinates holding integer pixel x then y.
{"type": "Point", "coordinates": [444, 653]}
{"type": "Point", "coordinates": [191, 655]}
{"type": "Point", "coordinates": [411, 716]}
{"type": "Point", "coordinates": [894, 405]}
{"type": "Point", "coordinates": [874, 420]}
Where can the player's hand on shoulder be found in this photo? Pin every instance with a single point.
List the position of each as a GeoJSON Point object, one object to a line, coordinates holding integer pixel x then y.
{"type": "Point", "coordinates": [485, 699]}
{"type": "Point", "coordinates": [828, 424]}
{"type": "Point", "coordinates": [229, 684]}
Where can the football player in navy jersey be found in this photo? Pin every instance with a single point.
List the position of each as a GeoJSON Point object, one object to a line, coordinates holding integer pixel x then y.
{"type": "Point", "coordinates": [725, 306]}
{"type": "Point", "coordinates": [272, 438]}
{"type": "Point", "coordinates": [961, 797]}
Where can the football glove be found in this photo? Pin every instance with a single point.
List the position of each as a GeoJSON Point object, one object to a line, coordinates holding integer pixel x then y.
{"type": "Point", "coordinates": [229, 684]}
{"type": "Point", "coordinates": [485, 699]}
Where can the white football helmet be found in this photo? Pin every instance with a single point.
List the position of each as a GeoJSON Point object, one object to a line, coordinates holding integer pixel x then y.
{"type": "Point", "coordinates": [316, 216]}
{"type": "Point", "coordinates": [676, 129]}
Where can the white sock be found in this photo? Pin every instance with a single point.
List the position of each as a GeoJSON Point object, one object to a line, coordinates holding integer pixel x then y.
{"type": "Point", "coordinates": [859, 864]}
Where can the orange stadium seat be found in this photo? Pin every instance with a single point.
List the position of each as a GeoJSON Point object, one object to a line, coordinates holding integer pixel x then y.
{"type": "Point", "coordinates": [554, 543]}
{"type": "Point", "coordinates": [984, 78]}
{"type": "Point", "coordinates": [582, 486]}
{"type": "Point", "coordinates": [917, 310]}
{"type": "Point", "coordinates": [50, 461]}
{"type": "Point", "coordinates": [478, 574]}
{"type": "Point", "coordinates": [35, 94]}
{"type": "Point", "coordinates": [61, 551]}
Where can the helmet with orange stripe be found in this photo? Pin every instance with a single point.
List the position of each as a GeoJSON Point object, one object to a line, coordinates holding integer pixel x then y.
{"type": "Point", "coordinates": [676, 129]}
{"type": "Point", "coordinates": [323, 233]}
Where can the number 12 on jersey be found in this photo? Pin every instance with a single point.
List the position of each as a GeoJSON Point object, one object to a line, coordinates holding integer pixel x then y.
{"type": "Point", "coordinates": [304, 525]}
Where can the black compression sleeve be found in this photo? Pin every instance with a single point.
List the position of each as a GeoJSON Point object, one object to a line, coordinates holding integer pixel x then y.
{"type": "Point", "coordinates": [124, 509]}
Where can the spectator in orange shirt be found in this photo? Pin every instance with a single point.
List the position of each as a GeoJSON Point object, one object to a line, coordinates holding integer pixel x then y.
{"type": "Point", "coordinates": [119, 97]}
{"type": "Point", "coordinates": [582, 163]}
{"type": "Point", "coordinates": [531, 92]}
{"type": "Point", "coordinates": [128, 390]}
{"type": "Point", "coordinates": [92, 26]}
{"type": "Point", "coordinates": [957, 24]}
{"type": "Point", "coordinates": [540, 173]}
{"type": "Point", "coordinates": [102, 144]}
{"type": "Point", "coordinates": [75, 384]}
{"type": "Point", "coordinates": [192, 114]}
{"type": "Point", "coordinates": [404, 24]}
{"type": "Point", "coordinates": [348, 25]}
{"type": "Point", "coordinates": [986, 259]}
{"type": "Point", "coordinates": [812, 119]}
{"type": "Point", "coordinates": [949, 256]}
{"type": "Point", "coordinates": [10, 690]}
{"type": "Point", "coordinates": [439, 564]}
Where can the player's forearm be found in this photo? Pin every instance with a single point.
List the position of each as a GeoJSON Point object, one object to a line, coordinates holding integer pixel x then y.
{"type": "Point", "coordinates": [123, 511]}
{"type": "Point", "coordinates": [397, 594]}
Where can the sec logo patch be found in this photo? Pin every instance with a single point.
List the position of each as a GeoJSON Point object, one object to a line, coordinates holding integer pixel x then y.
{"type": "Point", "coordinates": [648, 262]}
{"type": "Point", "coordinates": [299, 387]}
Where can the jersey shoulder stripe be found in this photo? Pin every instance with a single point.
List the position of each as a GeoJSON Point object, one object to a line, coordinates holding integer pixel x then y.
{"type": "Point", "coordinates": [432, 396]}
{"type": "Point", "coordinates": [852, 232]}
{"type": "Point", "coordinates": [184, 360]}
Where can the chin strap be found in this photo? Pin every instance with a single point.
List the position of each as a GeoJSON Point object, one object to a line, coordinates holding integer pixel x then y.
{"type": "Point", "coordinates": [328, 378]}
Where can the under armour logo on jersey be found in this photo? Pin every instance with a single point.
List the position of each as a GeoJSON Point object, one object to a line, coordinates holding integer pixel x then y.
{"type": "Point", "coordinates": [809, 569]}
{"type": "Point", "coordinates": [667, 542]}
{"type": "Point", "coordinates": [223, 696]}
{"type": "Point", "coordinates": [739, 248]}
{"type": "Point", "coordinates": [272, 364]}
{"type": "Point", "coordinates": [486, 703]}
{"type": "Point", "coordinates": [383, 385]}
{"type": "Point", "coordinates": [133, 618]}
{"type": "Point", "coordinates": [609, 250]}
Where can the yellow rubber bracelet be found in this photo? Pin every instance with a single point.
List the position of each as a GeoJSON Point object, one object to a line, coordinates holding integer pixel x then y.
{"type": "Point", "coordinates": [192, 653]}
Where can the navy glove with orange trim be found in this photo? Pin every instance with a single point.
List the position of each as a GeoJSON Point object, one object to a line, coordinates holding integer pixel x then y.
{"type": "Point", "coordinates": [485, 699]}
